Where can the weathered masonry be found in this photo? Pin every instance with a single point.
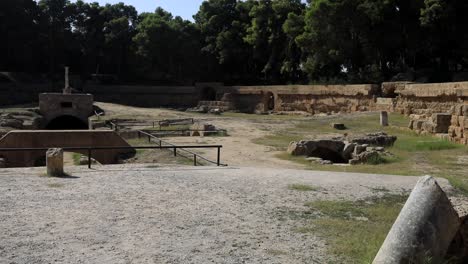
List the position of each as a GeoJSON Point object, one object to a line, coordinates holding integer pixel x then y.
{"type": "Point", "coordinates": [404, 97]}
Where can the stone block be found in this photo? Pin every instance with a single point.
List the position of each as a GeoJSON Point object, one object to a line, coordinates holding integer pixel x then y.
{"type": "Point", "coordinates": [464, 110]}
{"type": "Point", "coordinates": [459, 132]}
{"type": "Point", "coordinates": [338, 126]}
{"type": "Point", "coordinates": [418, 124]}
{"type": "Point", "coordinates": [54, 161]}
{"type": "Point", "coordinates": [461, 121]}
{"type": "Point", "coordinates": [411, 124]}
{"type": "Point", "coordinates": [451, 131]}
{"type": "Point", "coordinates": [428, 126]}
{"type": "Point", "coordinates": [441, 122]}
{"type": "Point", "coordinates": [459, 110]}
{"type": "Point", "coordinates": [454, 120]}
{"type": "Point", "coordinates": [452, 110]}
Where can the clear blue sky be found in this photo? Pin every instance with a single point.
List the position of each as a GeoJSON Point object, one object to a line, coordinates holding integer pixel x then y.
{"type": "Point", "coordinates": [184, 8]}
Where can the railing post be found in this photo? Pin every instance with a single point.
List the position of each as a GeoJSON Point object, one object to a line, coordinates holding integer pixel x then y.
{"type": "Point", "coordinates": [218, 161]}
{"type": "Point", "coordinates": [194, 159]}
{"type": "Point", "coordinates": [89, 158]}
{"type": "Point", "coordinates": [139, 134]}
{"type": "Point", "coordinates": [175, 152]}
{"type": "Point", "coordinates": [149, 139]}
{"type": "Point", "coordinates": [160, 143]}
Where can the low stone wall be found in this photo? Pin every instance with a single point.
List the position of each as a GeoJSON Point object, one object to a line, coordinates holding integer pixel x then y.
{"type": "Point", "coordinates": [428, 98]}
{"type": "Point", "coordinates": [404, 97]}
{"type": "Point", "coordinates": [458, 130]}
{"type": "Point", "coordinates": [308, 98]}
{"type": "Point", "coordinates": [146, 96]}
{"type": "Point", "coordinates": [60, 139]}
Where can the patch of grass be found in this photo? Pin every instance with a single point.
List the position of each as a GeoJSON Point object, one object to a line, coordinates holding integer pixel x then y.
{"type": "Point", "coordinates": [355, 230]}
{"type": "Point", "coordinates": [376, 160]}
{"type": "Point", "coordinates": [413, 154]}
{"type": "Point", "coordinates": [55, 185]}
{"type": "Point", "coordinates": [302, 187]}
{"type": "Point", "coordinates": [76, 158]}
{"type": "Point", "coordinates": [278, 141]}
{"type": "Point", "coordinates": [413, 143]}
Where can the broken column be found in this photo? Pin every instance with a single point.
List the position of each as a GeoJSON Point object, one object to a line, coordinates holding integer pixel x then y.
{"type": "Point", "coordinates": [424, 228]}
{"type": "Point", "coordinates": [383, 118]}
{"type": "Point", "coordinates": [54, 161]}
{"type": "Point", "coordinates": [67, 89]}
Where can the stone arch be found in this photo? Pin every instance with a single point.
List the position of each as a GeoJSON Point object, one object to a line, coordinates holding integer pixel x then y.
{"type": "Point", "coordinates": [208, 94]}
{"type": "Point", "coordinates": [66, 122]}
{"type": "Point", "coordinates": [328, 154]}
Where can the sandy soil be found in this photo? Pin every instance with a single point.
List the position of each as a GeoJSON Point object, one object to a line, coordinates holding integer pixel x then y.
{"type": "Point", "coordinates": [238, 148]}
{"type": "Point", "coordinates": [141, 214]}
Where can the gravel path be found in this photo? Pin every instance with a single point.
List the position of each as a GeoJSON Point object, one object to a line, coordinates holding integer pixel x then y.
{"type": "Point", "coordinates": [143, 214]}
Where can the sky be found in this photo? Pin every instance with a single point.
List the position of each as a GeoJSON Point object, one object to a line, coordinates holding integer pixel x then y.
{"type": "Point", "coordinates": [183, 8]}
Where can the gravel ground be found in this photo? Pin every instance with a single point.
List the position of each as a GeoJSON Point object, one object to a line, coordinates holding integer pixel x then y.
{"type": "Point", "coordinates": [147, 214]}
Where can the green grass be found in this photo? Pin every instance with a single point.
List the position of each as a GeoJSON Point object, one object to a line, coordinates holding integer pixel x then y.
{"type": "Point", "coordinates": [355, 230]}
{"type": "Point", "coordinates": [76, 158]}
{"type": "Point", "coordinates": [302, 187]}
{"type": "Point", "coordinates": [413, 154]}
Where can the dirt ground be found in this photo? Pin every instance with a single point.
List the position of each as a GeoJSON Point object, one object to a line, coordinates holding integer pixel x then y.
{"type": "Point", "coordinates": [142, 214]}
{"type": "Point", "coordinates": [167, 213]}
{"type": "Point", "coordinates": [238, 148]}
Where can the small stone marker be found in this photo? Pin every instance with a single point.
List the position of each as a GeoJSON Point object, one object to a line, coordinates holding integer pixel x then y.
{"type": "Point", "coordinates": [383, 118]}
{"type": "Point", "coordinates": [54, 160]}
{"type": "Point", "coordinates": [338, 126]}
{"type": "Point", "coordinates": [2, 163]}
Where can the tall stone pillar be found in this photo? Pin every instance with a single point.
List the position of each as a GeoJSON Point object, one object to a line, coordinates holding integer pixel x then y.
{"type": "Point", "coordinates": [54, 161]}
{"type": "Point", "coordinates": [67, 88]}
{"type": "Point", "coordinates": [383, 118]}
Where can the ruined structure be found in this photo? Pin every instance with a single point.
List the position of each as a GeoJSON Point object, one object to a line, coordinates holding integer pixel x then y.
{"type": "Point", "coordinates": [60, 139]}
{"type": "Point", "coordinates": [65, 111]}
{"type": "Point", "coordinates": [403, 97]}
{"type": "Point", "coordinates": [363, 149]}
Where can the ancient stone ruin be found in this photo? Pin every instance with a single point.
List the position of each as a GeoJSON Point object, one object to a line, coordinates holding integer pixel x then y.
{"type": "Point", "coordinates": [427, 230]}
{"type": "Point", "coordinates": [365, 149]}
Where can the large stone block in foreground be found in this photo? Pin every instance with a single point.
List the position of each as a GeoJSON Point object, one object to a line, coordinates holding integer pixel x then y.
{"type": "Point", "coordinates": [424, 229]}
{"type": "Point", "coordinates": [54, 161]}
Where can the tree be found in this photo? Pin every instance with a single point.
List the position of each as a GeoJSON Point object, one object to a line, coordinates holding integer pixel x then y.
{"type": "Point", "coordinates": [169, 48]}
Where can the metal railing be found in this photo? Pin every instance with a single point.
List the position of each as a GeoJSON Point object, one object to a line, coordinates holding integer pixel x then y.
{"type": "Point", "coordinates": [160, 143]}
{"type": "Point", "coordinates": [173, 148]}
{"type": "Point", "coordinates": [116, 124]}
{"type": "Point", "coordinates": [185, 132]}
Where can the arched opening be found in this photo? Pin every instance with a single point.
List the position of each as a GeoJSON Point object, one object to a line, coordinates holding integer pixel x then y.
{"type": "Point", "coordinates": [66, 122]}
{"type": "Point", "coordinates": [270, 101]}
{"type": "Point", "coordinates": [208, 94]}
{"type": "Point", "coordinates": [328, 154]}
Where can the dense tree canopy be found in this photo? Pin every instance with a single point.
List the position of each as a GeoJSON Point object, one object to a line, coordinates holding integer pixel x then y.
{"type": "Point", "coordinates": [240, 42]}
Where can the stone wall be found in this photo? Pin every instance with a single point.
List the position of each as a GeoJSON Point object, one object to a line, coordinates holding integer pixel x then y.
{"type": "Point", "coordinates": [54, 105]}
{"type": "Point", "coordinates": [54, 139]}
{"type": "Point", "coordinates": [308, 98]}
{"type": "Point", "coordinates": [404, 97]}
{"type": "Point", "coordinates": [458, 130]}
{"type": "Point", "coordinates": [425, 99]}
{"type": "Point", "coordinates": [147, 96]}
